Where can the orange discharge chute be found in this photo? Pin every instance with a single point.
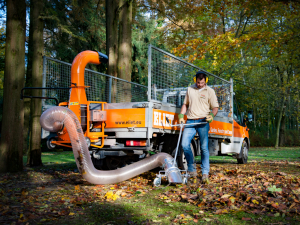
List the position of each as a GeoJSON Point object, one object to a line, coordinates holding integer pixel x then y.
{"type": "Point", "coordinates": [78, 94]}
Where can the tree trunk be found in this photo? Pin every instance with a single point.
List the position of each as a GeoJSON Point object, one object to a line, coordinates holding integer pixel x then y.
{"type": "Point", "coordinates": [34, 153]}
{"type": "Point", "coordinates": [297, 118]}
{"type": "Point", "coordinates": [279, 123]}
{"type": "Point", "coordinates": [124, 46]}
{"type": "Point", "coordinates": [269, 122]}
{"type": "Point", "coordinates": [282, 131]}
{"type": "Point", "coordinates": [11, 145]}
{"type": "Point", "coordinates": [254, 118]}
{"type": "Point", "coordinates": [28, 83]}
{"type": "Point", "coordinates": [112, 16]}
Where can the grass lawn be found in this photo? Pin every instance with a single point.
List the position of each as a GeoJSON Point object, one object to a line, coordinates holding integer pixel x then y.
{"type": "Point", "coordinates": [238, 194]}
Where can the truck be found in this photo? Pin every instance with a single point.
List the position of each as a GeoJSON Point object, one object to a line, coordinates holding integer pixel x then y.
{"type": "Point", "coordinates": [124, 121]}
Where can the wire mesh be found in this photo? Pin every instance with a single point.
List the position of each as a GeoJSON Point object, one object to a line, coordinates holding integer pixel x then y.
{"type": "Point", "coordinates": [170, 77]}
{"type": "Point", "coordinates": [100, 86]}
{"type": "Point", "coordinates": [57, 74]}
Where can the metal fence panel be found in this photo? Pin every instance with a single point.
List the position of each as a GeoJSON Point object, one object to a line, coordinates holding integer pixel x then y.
{"type": "Point", "coordinates": [170, 76]}
{"type": "Point", "coordinates": [101, 87]}
{"type": "Point", "coordinates": [168, 79]}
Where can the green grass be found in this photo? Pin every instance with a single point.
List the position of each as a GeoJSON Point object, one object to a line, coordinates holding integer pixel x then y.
{"type": "Point", "coordinates": [259, 154]}
{"type": "Point", "coordinates": [55, 157]}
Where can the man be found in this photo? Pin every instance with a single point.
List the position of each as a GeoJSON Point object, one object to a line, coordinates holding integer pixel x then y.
{"type": "Point", "coordinates": [198, 102]}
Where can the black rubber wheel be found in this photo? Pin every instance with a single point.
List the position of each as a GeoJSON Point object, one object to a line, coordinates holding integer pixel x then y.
{"type": "Point", "coordinates": [243, 156]}
{"type": "Point", "coordinates": [50, 145]}
{"type": "Point", "coordinates": [181, 160]}
{"type": "Point", "coordinates": [115, 162]}
{"type": "Point", "coordinates": [99, 164]}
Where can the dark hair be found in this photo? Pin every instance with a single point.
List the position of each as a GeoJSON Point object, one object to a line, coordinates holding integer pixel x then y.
{"type": "Point", "coordinates": [201, 75]}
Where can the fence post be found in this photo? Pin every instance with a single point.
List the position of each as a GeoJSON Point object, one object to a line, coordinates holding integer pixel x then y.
{"type": "Point", "coordinates": [44, 79]}
{"type": "Point", "coordinates": [149, 73]}
{"type": "Point", "coordinates": [109, 89]}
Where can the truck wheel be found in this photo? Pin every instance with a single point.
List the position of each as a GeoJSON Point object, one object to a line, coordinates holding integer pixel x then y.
{"type": "Point", "coordinates": [243, 156]}
{"type": "Point", "coordinates": [99, 164]}
{"type": "Point", "coordinates": [181, 160]}
{"type": "Point", "coordinates": [114, 162]}
{"type": "Point", "coordinates": [50, 145]}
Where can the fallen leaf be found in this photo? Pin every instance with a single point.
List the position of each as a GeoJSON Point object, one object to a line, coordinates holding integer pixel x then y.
{"type": "Point", "coordinates": [226, 196]}
{"type": "Point", "coordinates": [246, 219]}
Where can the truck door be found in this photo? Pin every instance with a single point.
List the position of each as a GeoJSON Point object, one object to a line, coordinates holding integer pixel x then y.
{"type": "Point", "coordinates": [239, 128]}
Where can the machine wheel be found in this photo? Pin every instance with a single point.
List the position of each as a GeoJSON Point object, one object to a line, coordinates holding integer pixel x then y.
{"type": "Point", "coordinates": [181, 160]}
{"type": "Point", "coordinates": [50, 145]}
{"type": "Point", "coordinates": [243, 156]}
{"type": "Point", "coordinates": [157, 182]}
{"type": "Point", "coordinates": [184, 180]}
{"type": "Point", "coordinates": [99, 164]}
{"type": "Point", "coordinates": [113, 162]}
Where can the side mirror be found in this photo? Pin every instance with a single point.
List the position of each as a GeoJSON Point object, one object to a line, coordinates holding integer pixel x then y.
{"type": "Point", "coordinates": [250, 115]}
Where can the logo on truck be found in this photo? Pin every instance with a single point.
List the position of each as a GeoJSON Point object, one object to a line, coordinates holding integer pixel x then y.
{"type": "Point", "coordinates": [159, 118]}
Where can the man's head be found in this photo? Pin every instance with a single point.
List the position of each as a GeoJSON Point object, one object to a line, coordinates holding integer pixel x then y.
{"type": "Point", "coordinates": [200, 79]}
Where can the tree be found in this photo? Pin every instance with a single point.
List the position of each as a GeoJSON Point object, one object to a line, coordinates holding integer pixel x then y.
{"type": "Point", "coordinates": [112, 19]}
{"type": "Point", "coordinates": [72, 27]}
{"type": "Point", "coordinates": [37, 25]}
{"type": "Point", "coordinates": [11, 145]}
{"type": "Point", "coordinates": [124, 45]}
{"type": "Point", "coordinates": [254, 43]}
{"type": "Point", "coordinates": [118, 48]}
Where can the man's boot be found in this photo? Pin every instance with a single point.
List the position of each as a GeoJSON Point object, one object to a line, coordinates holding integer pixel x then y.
{"type": "Point", "coordinates": [193, 170]}
{"type": "Point", "coordinates": [205, 179]}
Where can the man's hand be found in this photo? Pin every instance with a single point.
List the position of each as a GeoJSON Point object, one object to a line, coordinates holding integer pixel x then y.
{"type": "Point", "coordinates": [181, 116]}
{"type": "Point", "coordinates": [210, 117]}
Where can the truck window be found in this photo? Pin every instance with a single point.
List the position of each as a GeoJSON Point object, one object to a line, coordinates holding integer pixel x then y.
{"type": "Point", "coordinates": [236, 113]}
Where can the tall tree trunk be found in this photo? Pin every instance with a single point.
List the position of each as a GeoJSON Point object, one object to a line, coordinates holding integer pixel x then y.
{"type": "Point", "coordinates": [34, 153]}
{"type": "Point", "coordinates": [124, 46]}
{"type": "Point", "coordinates": [28, 83]}
{"type": "Point", "coordinates": [269, 122]}
{"type": "Point", "coordinates": [279, 122]}
{"type": "Point", "coordinates": [112, 17]}
{"type": "Point", "coordinates": [297, 118]}
{"type": "Point", "coordinates": [282, 131]}
{"type": "Point", "coordinates": [11, 145]}
{"type": "Point", "coordinates": [254, 118]}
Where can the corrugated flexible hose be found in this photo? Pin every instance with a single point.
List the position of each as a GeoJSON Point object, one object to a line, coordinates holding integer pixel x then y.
{"type": "Point", "coordinates": [55, 118]}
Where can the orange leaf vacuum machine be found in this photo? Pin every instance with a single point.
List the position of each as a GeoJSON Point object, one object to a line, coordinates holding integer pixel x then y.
{"type": "Point", "coordinates": [118, 129]}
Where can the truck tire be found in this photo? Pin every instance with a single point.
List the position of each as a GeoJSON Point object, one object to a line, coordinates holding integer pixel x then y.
{"type": "Point", "coordinates": [99, 164]}
{"type": "Point", "coordinates": [50, 145]}
{"type": "Point", "coordinates": [181, 160]}
{"type": "Point", "coordinates": [242, 158]}
{"type": "Point", "coordinates": [114, 162]}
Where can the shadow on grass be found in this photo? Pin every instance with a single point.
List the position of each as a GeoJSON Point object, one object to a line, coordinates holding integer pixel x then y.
{"type": "Point", "coordinates": [105, 213]}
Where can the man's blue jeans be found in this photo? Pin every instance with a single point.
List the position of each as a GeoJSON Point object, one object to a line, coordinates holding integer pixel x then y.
{"type": "Point", "coordinates": [187, 136]}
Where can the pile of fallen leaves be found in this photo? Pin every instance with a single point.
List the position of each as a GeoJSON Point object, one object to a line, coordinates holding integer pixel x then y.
{"type": "Point", "coordinates": [45, 195]}
{"type": "Point", "coordinates": [257, 192]}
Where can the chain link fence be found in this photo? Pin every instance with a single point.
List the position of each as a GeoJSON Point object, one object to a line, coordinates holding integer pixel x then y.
{"type": "Point", "coordinates": [168, 79]}
{"type": "Point", "coordinates": [170, 76]}
{"type": "Point", "coordinates": [101, 87]}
